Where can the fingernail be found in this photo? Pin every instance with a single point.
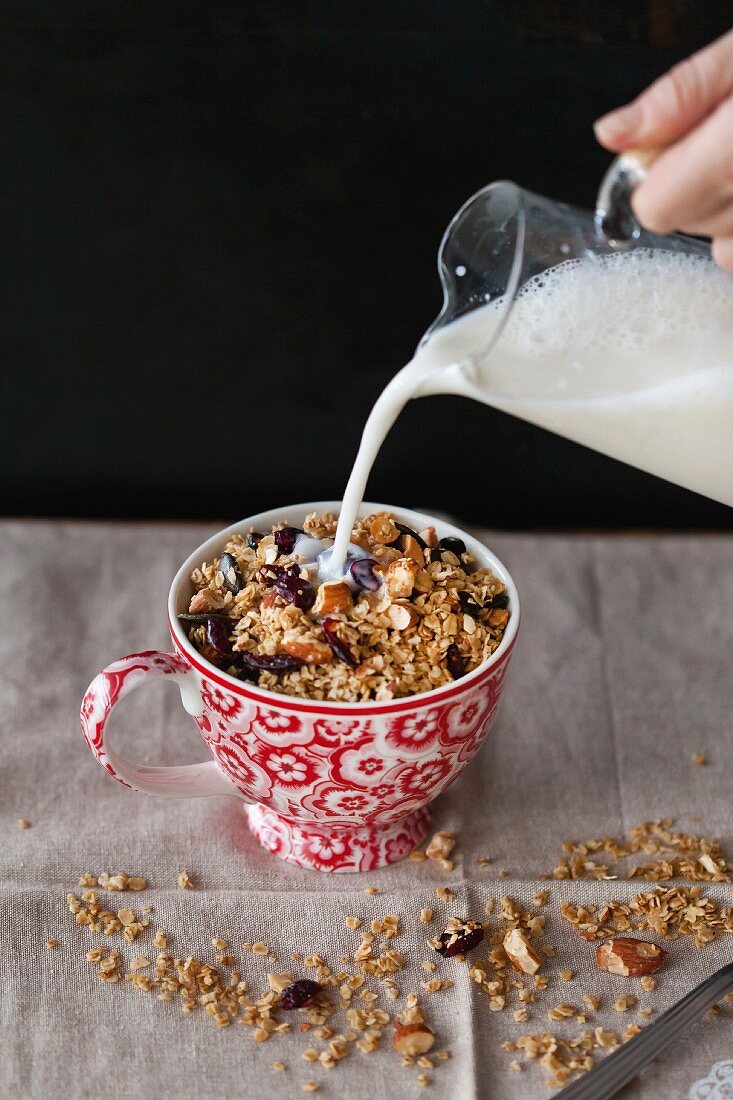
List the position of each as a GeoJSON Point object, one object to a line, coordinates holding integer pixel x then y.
{"type": "Point", "coordinates": [618, 124]}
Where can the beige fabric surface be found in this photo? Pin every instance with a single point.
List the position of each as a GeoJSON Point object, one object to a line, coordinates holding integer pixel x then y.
{"type": "Point", "coordinates": [622, 672]}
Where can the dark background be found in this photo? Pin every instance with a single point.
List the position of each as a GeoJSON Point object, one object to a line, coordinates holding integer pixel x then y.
{"type": "Point", "coordinates": [219, 227]}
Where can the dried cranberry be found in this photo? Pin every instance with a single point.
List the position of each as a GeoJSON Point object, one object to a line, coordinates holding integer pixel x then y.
{"type": "Point", "coordinates": [469, 605]}
{"type": "Point", "coordinates": [340, 648]}
{"type": "Point", "coordinates": [278, 662]}
{"type": "Point", "coordinates": [289, 584]}
{"type": "Point", "coordinates": [270, 573]}
{"type": "Point", "coordinates": [232, 576]}
{"type": "Point", "coordinates": [286, 538]}
{"type": "Point", "coordinates": [199, 618]}
{"type": "Point", "coordinates": [456, 663]}
{"type": "Point", "coordinates": [217, 635]}
{"type": "Point", "coordinates": [409, 531]}
{"type": "Point", "coordinates": [461, 940]}
{"type": "Point", "coordinates": [500, 601]}
{"type": "Point", "coordinates": [300, 994]}
{"type": "Point", "coordinates": [456, 546]}
{"type": "Point", "coordinates": [254, 538]}
{"type": "Point", "coordinates": [362, 570]}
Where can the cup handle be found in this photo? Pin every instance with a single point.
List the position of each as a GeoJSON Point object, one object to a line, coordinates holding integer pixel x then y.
{"type": "Point", "coordinates": [108, 688]}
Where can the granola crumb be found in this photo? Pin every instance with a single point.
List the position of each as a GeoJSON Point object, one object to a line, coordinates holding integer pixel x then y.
{"type": "Point", "coordinates": [423, 1079]}
{"type": "Point", "coordinates": [566, 975]}
{"type": "Point", "coordinates": [623, 1004]}
{"type": "Point", "coordinates": [22, 823]}
{"type": "Point", "coordinates": [699, 760]}
{"type": "Point", "coordinates": [280, 1066]}
{"type": "Point", "coordinates": [426, 915]}
{"type": "Point", "coordinates": [52, 943]}
{"type": "Point", "coordinates": [184, 881]}
{"type": "Point", "coordinates": [648, 983]}
{"type": "Point", "coordinates": [371, 890]}
{"type": "Point", "coordinates": [310, 1086]}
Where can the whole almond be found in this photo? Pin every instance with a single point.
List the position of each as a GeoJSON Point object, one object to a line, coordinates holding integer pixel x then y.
{"type": "Point", "coordinates": [412, 1039]}
{"type": "Point", "coordinates": [629, 957]}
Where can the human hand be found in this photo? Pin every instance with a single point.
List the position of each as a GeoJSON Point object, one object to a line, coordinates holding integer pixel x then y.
{"type": "Point", "coordinates": [689, 111]}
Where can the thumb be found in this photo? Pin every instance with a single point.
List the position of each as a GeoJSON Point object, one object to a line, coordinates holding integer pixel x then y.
{"type": "Point", "coordinates": [674, 103]}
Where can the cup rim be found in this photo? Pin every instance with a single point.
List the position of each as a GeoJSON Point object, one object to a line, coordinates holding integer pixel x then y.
{"type": "Point", "coordinates": [213, 545]}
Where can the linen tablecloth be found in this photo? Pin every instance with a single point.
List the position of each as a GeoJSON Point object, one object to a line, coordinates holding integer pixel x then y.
{"type": "Point", "coordinates": [622, 673]}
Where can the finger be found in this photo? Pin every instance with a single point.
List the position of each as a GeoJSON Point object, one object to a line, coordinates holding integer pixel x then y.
{"type": "Point", "coordinates": [717, 224]}
{"type": "Point", "coordinates": [723, 253]}
{"type": "Point", "coordinates": [691, 178]}
{"type": "Point", "coordinates": [674, 103]}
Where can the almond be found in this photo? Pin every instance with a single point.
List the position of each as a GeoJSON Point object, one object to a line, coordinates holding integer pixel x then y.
{"type": "Point", "coordinates": [333, 596]}
{"type": "Point", "coordinates": [411, 548]}
{"type": "Point", "coordinates": [402, 616]}
{"type": "Point", "coordinates": [412, 1039]}
{"type": "Point", "coordinates": [629, 957]}
{"type": "Point", "coordinates": [310, 651]}
{"type": "Point", "coordinates": [401, 578]}
{"type": "Point", "coordinates": [520, 952]}
{"type": "Point", "coordinates": [203, 601]}
{"type": "Point", "coordinates": [382, 528]}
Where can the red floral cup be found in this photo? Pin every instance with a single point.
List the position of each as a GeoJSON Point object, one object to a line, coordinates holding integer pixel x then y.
{"type": "Point", "coordinates": [330, 786]}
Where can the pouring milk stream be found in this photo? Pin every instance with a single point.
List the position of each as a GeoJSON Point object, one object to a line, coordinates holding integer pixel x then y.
{"type": "Point", "coordinates": [629, 352]}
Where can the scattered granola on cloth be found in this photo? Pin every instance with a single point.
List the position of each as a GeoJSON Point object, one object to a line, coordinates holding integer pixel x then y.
{"type": "Point", "coordinates": [412, 613]}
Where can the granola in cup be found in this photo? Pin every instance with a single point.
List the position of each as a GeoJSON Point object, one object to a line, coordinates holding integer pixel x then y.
{"type": "Point", "coordinates": [414, 611]}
